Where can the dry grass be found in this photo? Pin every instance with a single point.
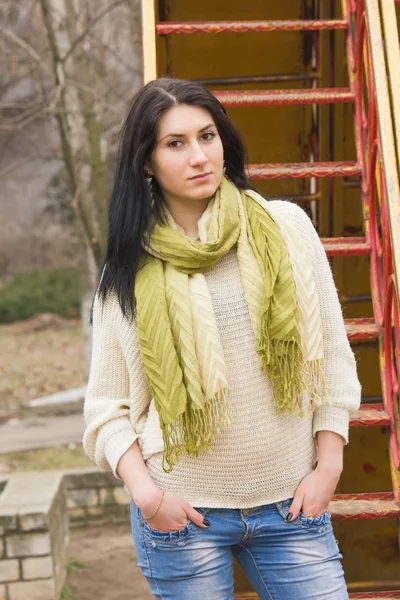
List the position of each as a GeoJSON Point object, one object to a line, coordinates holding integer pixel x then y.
{"type": "Point", "coordinates": [40, 356]}
{"type": "Point", "coordinates": [45, 459]}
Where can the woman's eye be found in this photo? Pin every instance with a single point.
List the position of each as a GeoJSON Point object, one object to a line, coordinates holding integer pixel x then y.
{"type": "Point", "coordinates": [173, 144]}
{"type": "Point", "coordinates": [210, 134]}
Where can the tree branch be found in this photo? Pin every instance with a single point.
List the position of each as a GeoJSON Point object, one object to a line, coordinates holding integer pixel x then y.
{"type": "Point", "coordinates": [24, 45]}
{"type": "Point", "coordinates": [90, 26]}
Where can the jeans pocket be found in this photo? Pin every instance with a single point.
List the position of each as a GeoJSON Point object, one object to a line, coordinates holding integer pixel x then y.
{"type": "Point", "coordinates": [164, 539]}
{"type": "Point", "coordinates": [321, 523]}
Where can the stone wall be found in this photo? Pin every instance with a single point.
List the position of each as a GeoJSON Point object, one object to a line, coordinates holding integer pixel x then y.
{"type": "Point", "coordinates": [33, 536]}
{"type": "Point", "coordinates": [95, 497]}
{"type": "Point", "coordinates": [36, 511]}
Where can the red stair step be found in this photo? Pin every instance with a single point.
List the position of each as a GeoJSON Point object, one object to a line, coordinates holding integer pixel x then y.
{"type": "Point", "coordinates": [370, 415]}
{"type": "Point", "coordinates": [173, 27]}
{"type": "Point", "coordinates": [376, 595]}
{"type": "Point", "coordinates": [375, 505]}
{"type": "Point", "coordinates": [284, 97]}
{"type": "Point", "coordinates": [346, 246]}
{"type": "Point", "coordinates": [303, 170]}
{"type": "Point", "coordinates": [395, 595]}
{"type": "Point", "coordinates": [361, 329]}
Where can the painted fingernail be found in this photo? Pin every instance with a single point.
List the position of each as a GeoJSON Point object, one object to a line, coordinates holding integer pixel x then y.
{"type": "Point", "coordinates": [206, 522]}
{"type": "Point", "coordinates": [289, 517]}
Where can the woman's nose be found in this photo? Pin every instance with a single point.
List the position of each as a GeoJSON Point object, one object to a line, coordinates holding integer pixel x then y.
{"type": "Point", "coordinates": [198, 157]}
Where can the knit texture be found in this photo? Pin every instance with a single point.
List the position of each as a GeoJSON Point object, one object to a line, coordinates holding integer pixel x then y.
{"type": "Point", "coordinates": [264, 454]}
{"type": "Point", "coordinates": [179, 340]}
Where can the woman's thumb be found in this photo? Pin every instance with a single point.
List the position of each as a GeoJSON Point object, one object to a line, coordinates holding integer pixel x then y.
{"type": "Point", "coordinates": [196, 517]}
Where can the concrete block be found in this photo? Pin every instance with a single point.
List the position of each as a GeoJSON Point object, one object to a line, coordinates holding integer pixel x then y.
{"type": "Point", "coordinates": [41, 589]}
{"type": "Point", "coordinates": [33, 521]}
{"type": "Point", "coordinates": [8, 520]}
{"type": "Point", "coordinates": [3, 593]}
{"type": "Point", "coordinates": [84, 497]}
{"type": "Point", "coordinates": [121, 496]}
{"type": "Point", "coordinates": [88, 477]}
{"type": "Point", "coordinates": [76, 514]}
{"type": "Point", "coordinates": [35, 568]}
{"type": "Point", "coordinates": [95, 511]}
{"type": "Point", "coordinates": [114, 496]}
{"type": "Point", "coordinates": [9, 570]}
{"type": "Point", "coordinates": [35, 487]}
{"type": "Point", "coordinates": [28, 544]}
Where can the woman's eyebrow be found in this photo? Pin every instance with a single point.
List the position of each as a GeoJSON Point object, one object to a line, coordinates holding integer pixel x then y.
{"type": "Point", "coordinates": [183, 134]}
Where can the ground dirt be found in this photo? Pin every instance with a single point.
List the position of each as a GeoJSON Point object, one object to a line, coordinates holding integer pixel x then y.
{"type": "Point", "coordinates": [110, 571]}
{"type": "Point", "coordinates": [39, 356]}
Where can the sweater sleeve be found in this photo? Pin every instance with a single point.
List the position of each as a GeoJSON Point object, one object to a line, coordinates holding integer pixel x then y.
{"type": "Point", "coordinates": [340, 365]}
{"type": "Point", "coordinates": [109, 431]}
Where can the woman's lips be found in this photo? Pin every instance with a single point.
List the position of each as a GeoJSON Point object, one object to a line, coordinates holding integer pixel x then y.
{"type": "Point", "coordinates": [200, 177]}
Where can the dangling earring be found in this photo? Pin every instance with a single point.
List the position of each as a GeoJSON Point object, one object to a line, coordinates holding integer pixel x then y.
{"type": "Point", "coordinates": [224, 173]}
{"type": "Point", "coordinates": [149, 179]}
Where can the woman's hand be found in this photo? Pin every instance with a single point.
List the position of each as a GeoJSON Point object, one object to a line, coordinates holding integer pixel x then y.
{"type": "Point", "coordinates": [314, 493]}
{"type": "Point", "coordinates": [173, 514]}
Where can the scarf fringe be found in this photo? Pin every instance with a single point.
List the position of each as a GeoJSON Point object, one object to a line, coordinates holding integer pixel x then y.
{"type": "Point", "coordinates": [316, 384]}
{"type": "Point", "coordinates": [192, 432]}
{"type": "Point", "coordinates": [291, 375]}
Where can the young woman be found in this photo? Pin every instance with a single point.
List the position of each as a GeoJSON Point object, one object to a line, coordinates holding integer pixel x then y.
{"type": "Point", "coordinates": [222, 379]}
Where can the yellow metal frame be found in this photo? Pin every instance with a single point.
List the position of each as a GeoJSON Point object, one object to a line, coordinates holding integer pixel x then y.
{"type": "Point", "coordinates": [392, 46]}
{"type": "Point", "coordinates": [385, 124]}
{"type": "Point", "coordinates": [149, 40]}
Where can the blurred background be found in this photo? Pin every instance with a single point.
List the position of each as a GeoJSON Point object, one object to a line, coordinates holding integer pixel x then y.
{"type": "Point", "coordinates": [67, 77]}
{"type": "Point", "coordinates": [68, 73]}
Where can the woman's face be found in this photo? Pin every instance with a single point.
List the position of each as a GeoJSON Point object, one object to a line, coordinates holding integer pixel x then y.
{"type": "Point", "coordinates": [187, 145]}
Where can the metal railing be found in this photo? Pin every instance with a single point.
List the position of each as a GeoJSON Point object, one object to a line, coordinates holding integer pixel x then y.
{"type": "Point", "coordinates": [377, 133]}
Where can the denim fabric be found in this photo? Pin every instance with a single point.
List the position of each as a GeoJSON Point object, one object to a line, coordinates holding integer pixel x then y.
{"type": "Point", "coordinates": [283, 561]}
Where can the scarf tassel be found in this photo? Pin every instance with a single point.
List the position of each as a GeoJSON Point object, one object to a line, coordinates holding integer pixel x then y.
{"type": "Point", "coordinates": [192, 431]}
{"type": "Point", "coordinates": [291, 375]}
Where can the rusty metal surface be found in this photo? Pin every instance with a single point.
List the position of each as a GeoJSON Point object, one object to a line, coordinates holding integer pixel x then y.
{"type": "Point", "coordinates": [361, 329]}
{"type": "Point", "coordinates": [296, 197]}
{"type": "Point", "coordinates": [168, 28]}
{"type": "Point", "coordinates": [364, 506]}
{"type": "Point", "coordinates": [376, 153]}
{"type": "Point", "coordinates": [352, 595]}
{"type": "Point", "coordinates": [284, 97]}
{"type": "Point", "coordinates": [346, 246]}
{"type": "Point", "coordinates": [254, 79]}
{"type": "Point", "coordinates": [376, 595]}
{"type": "Point", "coordinates": [370, 416]}
{"type": "Point", "coordinates": [303, 170]}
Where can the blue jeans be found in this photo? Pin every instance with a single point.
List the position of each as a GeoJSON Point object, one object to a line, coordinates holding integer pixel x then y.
{"type": "Point", "coordinates": [283, 561]}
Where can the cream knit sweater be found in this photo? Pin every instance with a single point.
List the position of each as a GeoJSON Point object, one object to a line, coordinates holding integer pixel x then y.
{"type": "Point", "coordinates": [264, 455]}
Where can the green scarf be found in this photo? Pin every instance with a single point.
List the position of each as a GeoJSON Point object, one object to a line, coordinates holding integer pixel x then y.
{"type": "Point", "coordinates": [178, 337]}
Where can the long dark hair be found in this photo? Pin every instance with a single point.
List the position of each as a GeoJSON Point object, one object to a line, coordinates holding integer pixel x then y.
{"type": "Point", "coordinates": [130, 201]}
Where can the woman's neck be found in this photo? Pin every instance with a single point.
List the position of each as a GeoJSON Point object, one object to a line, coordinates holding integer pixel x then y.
{"type": "Point", "coordinates": [188, 214]}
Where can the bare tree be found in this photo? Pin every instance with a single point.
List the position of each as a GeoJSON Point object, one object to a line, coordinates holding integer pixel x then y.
{"type": "Point", "coordinates": [76, 63]}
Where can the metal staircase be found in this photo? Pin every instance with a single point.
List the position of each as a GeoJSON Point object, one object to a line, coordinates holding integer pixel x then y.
{"type": "Point", "coordinates": [374, 87]}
